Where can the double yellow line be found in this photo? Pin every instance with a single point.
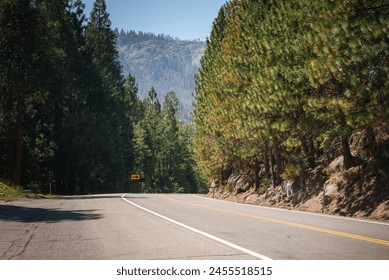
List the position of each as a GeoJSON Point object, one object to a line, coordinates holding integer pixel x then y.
{"type": "Point", "coordinates": [282, 222]}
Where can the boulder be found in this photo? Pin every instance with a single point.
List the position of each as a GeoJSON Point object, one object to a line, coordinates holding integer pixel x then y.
{"type": "Point", "coordinates": [287, 187]}
{"type": "Point", "coordinates": [330, 187]}
{"type": "Point", "coordinates": [243, 184]}
{"type": "Point", "coordinates": [298, 198]}
{"type": "Point", "coordinates": [232, 180]}
{"type": "Point", "coordinates": [213, 184]}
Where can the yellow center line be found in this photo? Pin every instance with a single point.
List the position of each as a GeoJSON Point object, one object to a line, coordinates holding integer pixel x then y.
{"type": "Point", "coordinates": [329, 231]}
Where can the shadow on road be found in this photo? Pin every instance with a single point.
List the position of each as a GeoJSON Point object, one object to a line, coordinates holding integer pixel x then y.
{"type": "Point", "coordinates": [79, 197]}
{"type": "Point", "coordinates": [34, 215]}
{"type": "Point", "coordinates": [98, 196]}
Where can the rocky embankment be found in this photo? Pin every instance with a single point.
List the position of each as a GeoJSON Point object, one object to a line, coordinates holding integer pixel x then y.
{"type": "Point", "coordinates": [361, 191]}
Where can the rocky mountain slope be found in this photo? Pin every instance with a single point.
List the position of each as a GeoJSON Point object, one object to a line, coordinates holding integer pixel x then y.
{"type": "Point", "coordinates": [162, 62]}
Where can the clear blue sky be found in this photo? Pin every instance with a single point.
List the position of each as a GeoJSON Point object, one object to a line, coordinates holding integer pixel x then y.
{"type": "Point", "coordinates": [185, 19]}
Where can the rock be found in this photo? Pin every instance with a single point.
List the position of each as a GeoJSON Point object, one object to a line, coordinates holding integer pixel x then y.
{"type": "Point", "coordinates": [287, 187]}
{"type": "Point", "coordinates": [330, 188]}
{"type": "Point", "coordinates": [298, 197]}
{"type": "Point", "coordinates": [269, 192]}
{"type": "Point", "coordinates": [363, 143]}
{"type": "Point", "coordinates": [214, 184]}
{"type": "Point", "coordinates": [232, 181]}
{"type": "Point", "coordinates": [301, 196]}
{"type": "Point", "coordinates": [337, 164]}
{"type": "Point", "coordinates": [243, 184]}
{"type": "Point", "coordinates": [327, 200]}
{"type": "Point", "coordinates": [294, 200]}
{"type": "Point", "coordinates": [382, 211]}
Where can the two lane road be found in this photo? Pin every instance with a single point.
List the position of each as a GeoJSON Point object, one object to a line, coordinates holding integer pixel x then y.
{"type": "Point", "coordinates": [153, 226]}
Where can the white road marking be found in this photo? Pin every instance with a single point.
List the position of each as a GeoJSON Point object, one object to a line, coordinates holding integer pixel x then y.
{"type": "Point", "coordinates": [296, 211]}
{"type": "Point", "coordinates": [229, 244]}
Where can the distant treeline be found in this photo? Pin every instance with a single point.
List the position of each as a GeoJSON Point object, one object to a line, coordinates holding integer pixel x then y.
{"type": "Point", "coordinates": [130, 37]}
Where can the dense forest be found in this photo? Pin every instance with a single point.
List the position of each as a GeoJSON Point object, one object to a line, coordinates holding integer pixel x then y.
{"type": "Point", "coordinates": [161, 62]}
{"type": "Point", "coordinates": [287, 91]}
{"type": "Point", "coordinates": [284, 87]}
{"type": "Point", "coordinates": [69, 121]}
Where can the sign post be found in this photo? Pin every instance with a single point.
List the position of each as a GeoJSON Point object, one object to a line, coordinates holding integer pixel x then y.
{"type": "Point", "coordinates": [135, 179]}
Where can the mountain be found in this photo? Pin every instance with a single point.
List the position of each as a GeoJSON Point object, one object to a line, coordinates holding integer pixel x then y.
{"type": "Point", "coordinates": [162, 62]}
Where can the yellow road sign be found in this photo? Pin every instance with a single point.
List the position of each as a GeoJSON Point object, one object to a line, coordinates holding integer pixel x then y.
{"type": "Point", "coordinates": [135, 177]}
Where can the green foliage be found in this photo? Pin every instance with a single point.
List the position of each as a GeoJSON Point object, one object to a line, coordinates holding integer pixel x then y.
{"type": "Point", "coordinates": [69, 121]}
{"type": "Point", "coordinates": [266, 182]}
{"type": "Point", "coordinates": [69, 127]}
{"type": "Point", "coordinates": [162, 145]}
{"type": "Point", "coordinates": [291, 172]}
{"type": "Point", "coordinates": [281, 80]}
{"type": "Point", "coordinates": [10, 193]}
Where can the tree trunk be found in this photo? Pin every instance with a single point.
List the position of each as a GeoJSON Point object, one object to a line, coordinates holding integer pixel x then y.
{"type": "Point", "coordinates": [17, 168]}
{"type": "Point", "coordinates": [266, 160]}
{"type": "Point", "coordinates": [312, 149]}
{"type": "Point", "coordinates": [256, 174]}
{"type": "Point", "coordinates": [10, 150]}
{"type": "Point", "coordinates": [14, 146]}
{"type": "Point", "coordinates": [272, 171]}
{"type": "Point", "coordinates": [278, 161]}
{"type": "Point", "coordinates": [348, 159]}
{"type": "Point", "coordinates": [307, 150]}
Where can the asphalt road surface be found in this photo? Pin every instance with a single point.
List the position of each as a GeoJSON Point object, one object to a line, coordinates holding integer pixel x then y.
{"type": "Point", "coordinates": [156, 227]}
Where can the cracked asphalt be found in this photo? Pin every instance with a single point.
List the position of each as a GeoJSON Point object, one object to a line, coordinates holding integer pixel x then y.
{"type": "Point", "coordinates": [100, 227]}
{"type": "Point", "coordinates": [183, 227]}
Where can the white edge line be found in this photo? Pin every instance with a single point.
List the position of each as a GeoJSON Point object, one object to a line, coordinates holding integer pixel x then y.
{"type": "Point", "coordinates": [297, 211]}
{"type": "Point", "coordinates": [229, 244]}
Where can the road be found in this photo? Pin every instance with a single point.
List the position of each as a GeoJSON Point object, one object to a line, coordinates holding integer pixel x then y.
{"type": "Point", "coordinates": [153, 226]}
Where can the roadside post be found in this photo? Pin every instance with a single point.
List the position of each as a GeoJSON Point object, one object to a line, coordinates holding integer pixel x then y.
{"type": "Point", "coordinates": [135, 178]}
{"type": "Point", "coordinates": [324, 199]}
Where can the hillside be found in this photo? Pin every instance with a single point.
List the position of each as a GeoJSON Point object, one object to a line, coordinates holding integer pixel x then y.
{"type": "Point", "coordinates": [292, 101]}
{"type": "Point", "coordinates": [161, 62]}
{"type": "Point", "coordinates": [361, 191]}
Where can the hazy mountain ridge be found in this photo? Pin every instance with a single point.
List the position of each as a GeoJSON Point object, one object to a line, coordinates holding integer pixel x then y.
{"type": "Point", "coordinates": [161, 62]}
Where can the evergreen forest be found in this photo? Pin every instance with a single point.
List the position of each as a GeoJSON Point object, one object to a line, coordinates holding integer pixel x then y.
{"type": "Point", "coordinates": [284, 88]}
{"type": "Point", "coordinates": [70, 122]}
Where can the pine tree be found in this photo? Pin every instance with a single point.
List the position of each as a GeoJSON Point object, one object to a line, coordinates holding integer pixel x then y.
{"type": "Point", "coordinates": [113, 126]}
{"type": "Point", "coordinates": [349, 49]}
{"type": "Point", "coordinates": [278, 84]}
{"type": "Point", "coordinates": [65, 100]}
{"type": "Point", "coordinates": [208, 104]}
{"type": "Point", "coordinates": [21, 53]}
